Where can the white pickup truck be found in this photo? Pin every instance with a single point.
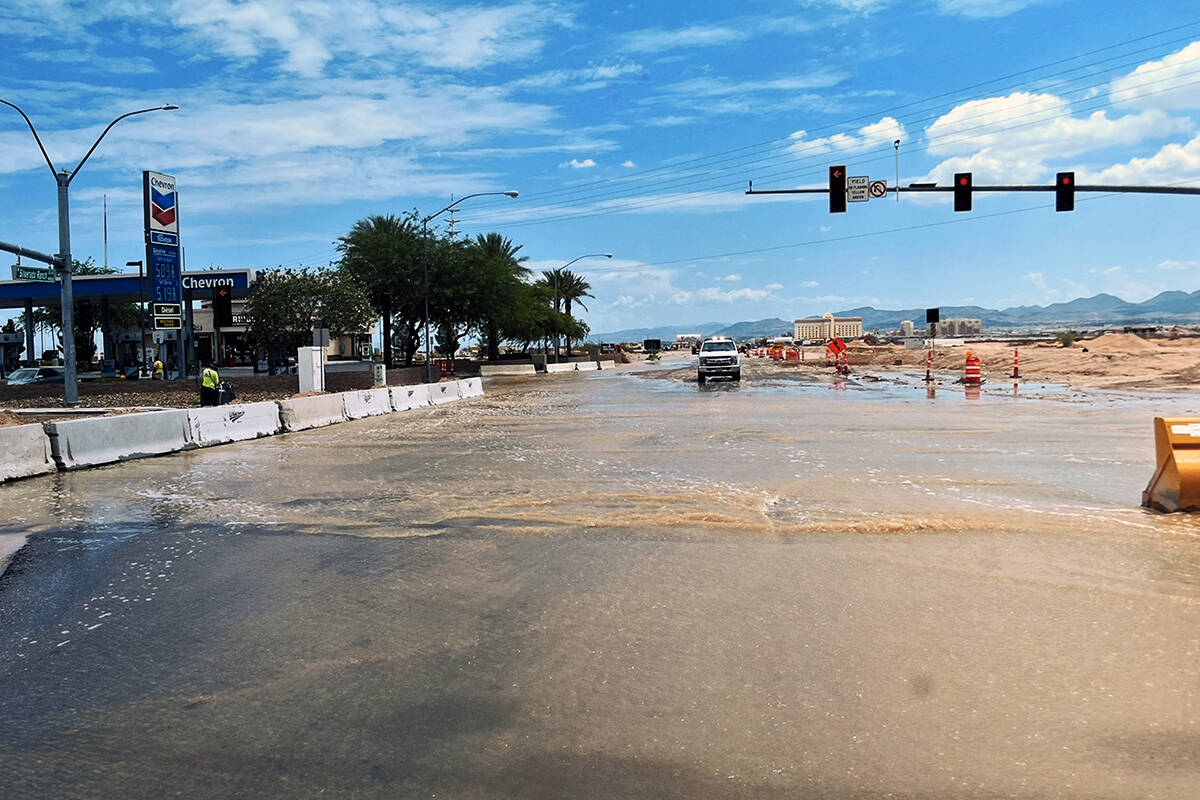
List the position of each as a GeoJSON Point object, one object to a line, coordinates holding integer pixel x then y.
{"type": "Point", "coordinates": [718, 356]}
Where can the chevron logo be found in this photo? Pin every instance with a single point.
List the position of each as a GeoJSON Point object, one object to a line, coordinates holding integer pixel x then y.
{"type": "Point", "coordinates": [162, 207]}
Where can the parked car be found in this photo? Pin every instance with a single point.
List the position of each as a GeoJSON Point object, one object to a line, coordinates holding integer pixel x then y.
{"type": "Point", "coordinates": [27, 375]}
{"type": "Point", "coordinates": [718, 356]}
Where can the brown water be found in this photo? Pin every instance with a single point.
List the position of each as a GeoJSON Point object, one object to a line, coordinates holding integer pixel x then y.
{"type": "Point", "coordinates": [619, 585]}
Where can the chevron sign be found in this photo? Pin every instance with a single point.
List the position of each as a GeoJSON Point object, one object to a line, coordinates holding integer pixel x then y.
{"type": "Point", "coordinates": [162, 202]}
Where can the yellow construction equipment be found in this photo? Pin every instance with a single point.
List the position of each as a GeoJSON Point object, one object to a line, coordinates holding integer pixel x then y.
{"type": "Point", "coordinates": [1176, 482]}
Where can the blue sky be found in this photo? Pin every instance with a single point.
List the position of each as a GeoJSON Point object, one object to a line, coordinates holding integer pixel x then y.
{"type": "Point", "coordinates": [632, 129]}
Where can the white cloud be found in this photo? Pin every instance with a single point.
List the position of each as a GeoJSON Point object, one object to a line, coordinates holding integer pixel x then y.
{"type": "Point", "coordinates": [588, 78]}
{"type": "Point", "coordinates": [809, 284]}
{"type": "Point", "coordinates": [659, 40]}
{"type": "Point", "coordinates": [877, 134]}
{"type": "Point", "coordinates": [1172, 164]}
{"type": "Point", "coordinates": [1169, 83]}
{"type": "Point", "coordinates": [575, 163]}
{"type": "Point", "coordinates": [984, 9]}
{"type": "Point", "coordinates": [1178, 266]}
{"type": "Point", "coordinates": [715, 294]}
{"type": "Point", "coordinates": [1037, 279]}
{"type": "Point", "coordinates": [732, 278]}
{"type": "Point", "coordinates": [774, 287]}
{"type": "Point", "coordinates": [1009, 139]}
{"type": "Point", "coordinates": [310, 35]}
{"type": "Point", "coordinates": [627, 163]}
{"type": "Point", "coordinates": [1037, 126]}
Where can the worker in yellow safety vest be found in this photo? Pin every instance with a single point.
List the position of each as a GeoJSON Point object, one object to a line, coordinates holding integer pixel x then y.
{"type": "Point", "coordinates": [210, 386]}
{"type": "Point", "coordinates": [158, 369]}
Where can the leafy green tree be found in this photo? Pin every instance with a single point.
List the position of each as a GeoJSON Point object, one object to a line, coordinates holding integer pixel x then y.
{"type": "Point", "coordinates": [384, 253]}
{"type": "Point", "coordinates": [285, 308]}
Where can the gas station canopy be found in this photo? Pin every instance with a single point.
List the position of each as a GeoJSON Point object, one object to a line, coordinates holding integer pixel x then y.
{"type": "Point", "coordinates": [123, 287]}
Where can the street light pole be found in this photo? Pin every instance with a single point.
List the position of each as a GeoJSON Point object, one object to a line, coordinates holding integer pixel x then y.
{"type": "Point", "coordinates": [64, 264]}
{"type": "Point", "coordinates": [425, 252]}
{"type": "Point", "coordinates": [558, 272]}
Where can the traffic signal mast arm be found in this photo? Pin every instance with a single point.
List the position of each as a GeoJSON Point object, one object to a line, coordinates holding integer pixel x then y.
{"type": "Point", "coordinates": [17, 250]}
{"type": "Point", "coordinates": [929, 187]}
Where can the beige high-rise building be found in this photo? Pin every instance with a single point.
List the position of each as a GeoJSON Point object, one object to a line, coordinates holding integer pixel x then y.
{"type": "Point", "coordinates": [906, 327]}
{"type": "Point", "coordinates": [828, 327]}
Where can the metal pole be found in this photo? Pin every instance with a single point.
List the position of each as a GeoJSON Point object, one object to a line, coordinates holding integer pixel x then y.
{"type": "Point", "coordinates": [29, 356]}
{"type": "Point", "coordinates": [141, 352]}
{"type": "Point", "coordinates": [425, 264]}
{"type": "Point", "coordinates": [70, 388]}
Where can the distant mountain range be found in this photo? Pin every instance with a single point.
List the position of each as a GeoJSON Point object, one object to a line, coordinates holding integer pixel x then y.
{"type": "Point", "coordinates": [1102, 310]}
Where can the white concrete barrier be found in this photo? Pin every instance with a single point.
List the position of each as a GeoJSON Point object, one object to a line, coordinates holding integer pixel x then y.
{"type": "Point", "coordinates": [232, 423]}
{"type": "Point", "coordinates": [605, 364]}
{"type": "Point", "coordinates": [443, 392]}
{"type": "Point", "coordinates": [487, 370]}
{"type": "Point", "coordinates": [406, 398]}
{"type": "Point", "coordinates": [366, 403]}
{"type": "Point", "coordinates": [470, 387]}
{"type": "Point", "coordinates": [586, 366]}
{"type": "Point", "coordinates": [24, 451]}
{"type": "Point", "coordinates": [568, 367]}
{"type": "Point", "coordinates": [88, 442]}
{"type": "Point", "coordinates": [301, 413]}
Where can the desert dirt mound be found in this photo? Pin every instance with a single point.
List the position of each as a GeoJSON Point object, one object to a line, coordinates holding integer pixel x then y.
{"type": "Point", "coordinates": [1119, 343]}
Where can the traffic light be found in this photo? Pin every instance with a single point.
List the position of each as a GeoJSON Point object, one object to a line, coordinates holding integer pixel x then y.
{"type": "Point", "coordinates": [1064, 191]}
{"type": "Point", "coordinates": [962, 191]}
{"type": "Point", "coordinates": [837, 189]}
{"type": "Point", "coordinates": [222, 305]}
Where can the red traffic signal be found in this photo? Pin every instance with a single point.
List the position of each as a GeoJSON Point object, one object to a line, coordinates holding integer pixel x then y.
{"type": "Point", "coordinates": [962, 191]}
{"type": "Point", "coordinates": [222, 307]}
{"type": "Point", "coordinates": [1064, 191]}
{"type": "Point", "coordinates": [837, 189]}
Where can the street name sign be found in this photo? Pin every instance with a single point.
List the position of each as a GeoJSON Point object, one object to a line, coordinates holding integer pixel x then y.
{"type": "Point", "coordinates": [857, 188]}
{"type": "Point", "coordinates": [20, 272]}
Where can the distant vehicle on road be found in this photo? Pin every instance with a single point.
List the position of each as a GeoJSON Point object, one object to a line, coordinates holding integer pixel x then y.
{"type": "Point", "coordinates": [27, 375]}
{"type": "Point", "coordinates": [718, 357]}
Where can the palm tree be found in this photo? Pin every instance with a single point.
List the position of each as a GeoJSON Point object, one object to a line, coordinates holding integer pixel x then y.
{"type": "Point", "coordinates": [500, 252]}
{"type": "Point", "coordinates": [572, 288]}
{"type": "Point", "coordinates": [383, 253]}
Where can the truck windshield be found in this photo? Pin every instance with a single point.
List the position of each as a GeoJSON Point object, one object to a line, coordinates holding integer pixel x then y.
{"type": "Point", "coordinates": [710, 346]}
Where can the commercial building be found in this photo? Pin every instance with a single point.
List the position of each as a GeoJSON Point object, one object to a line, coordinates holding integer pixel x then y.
{"type": "Point", "coordinates": [960, 326]}
{"type": "Point", "coordinates": [906, 328]}
{"type": "Point", "coordinates": [828, 327]}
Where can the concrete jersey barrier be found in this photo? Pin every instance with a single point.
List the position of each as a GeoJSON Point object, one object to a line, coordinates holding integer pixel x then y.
{"type": "Point", "coordinates": [232, 423]}
{"type": "Point", "coordinates": [488, 370]}
{"type": "Point", "coordinates": [568, 367]}
{"type": "Point", "coordinates": [443, 392]}
{"type": "Point", "coordinates": [79, 443]}
{"type": "Point", "coordinates": [586, 366]}
{"type": "Point", "coordinates": [302, 413]}
{"type": "Point", "coordinates": [366, 403]}
{"type": "Point", "coordinates": [605, 364]}
{"type": "Point", "coordinates": [24, 452]}
{"type": "Point", "coordinates": [406, 398]}
{"type": "Point", "coordinates": [470, 387]}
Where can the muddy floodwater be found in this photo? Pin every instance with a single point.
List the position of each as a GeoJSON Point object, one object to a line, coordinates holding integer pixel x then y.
{"type": "Point", "coordinates": [618, 585]}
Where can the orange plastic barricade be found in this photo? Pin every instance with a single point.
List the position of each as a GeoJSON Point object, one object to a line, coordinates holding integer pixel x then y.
{"type": "Point", "coordinates": [1176, 482]}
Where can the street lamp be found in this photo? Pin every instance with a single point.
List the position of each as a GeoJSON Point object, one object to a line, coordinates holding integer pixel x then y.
{"type": "Point", "coordinates": [63, 256]}
{"type": "Point", "coordinates": [425, 236]}
{"type": "Point", "coordinates": [558, 272]}
{"type": "Point", "coordinates": [141, 351]}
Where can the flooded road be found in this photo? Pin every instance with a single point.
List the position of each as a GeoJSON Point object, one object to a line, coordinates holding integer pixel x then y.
{"type": "Point", "coordinates": [618, 585]}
